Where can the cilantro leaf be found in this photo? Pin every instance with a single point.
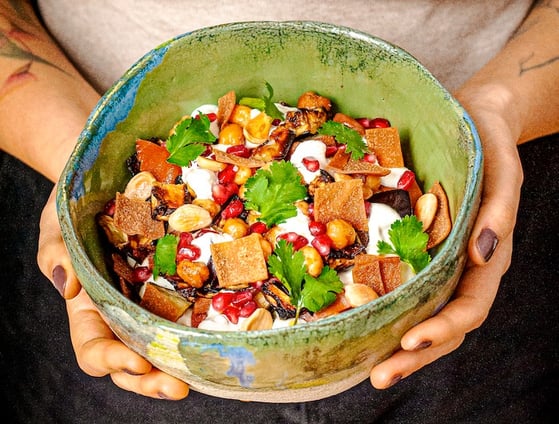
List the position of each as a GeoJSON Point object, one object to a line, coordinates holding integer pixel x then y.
{"type": "Point", "coordinates": [189, 139]}
{"type": "Point", "coordinates": [273, 192]}
{"type": "Point", "coordinates": [408, 241]}
{"type": "Point", "coordinates": [346, 135]}
{"type": "Point", "coordinates": [321, 291]}
{"type": "Point", "coordinates": [164, 261]}
{"type": "Point", "coordinates": [305, 291]}
{"type": "Point", "coordinates": [263, 103]}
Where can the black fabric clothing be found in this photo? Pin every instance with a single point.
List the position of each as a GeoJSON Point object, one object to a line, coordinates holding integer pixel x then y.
{"type": "Point", "coordinates": [507, 371]}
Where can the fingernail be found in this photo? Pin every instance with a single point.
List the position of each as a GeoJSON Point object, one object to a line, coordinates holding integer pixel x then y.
{"type": "Point", "coordinates": [59, 279]}
{"type": "Point", "coordinates": [127, 371]}
{"type": "Point", "coordinates": [423, 345]}
{"type": "Point", "coordinates": [487, 243]}
{"type": "Point", "coordinates": [163, 396]}
{"type": "Point", "coordinates": [394, 380]}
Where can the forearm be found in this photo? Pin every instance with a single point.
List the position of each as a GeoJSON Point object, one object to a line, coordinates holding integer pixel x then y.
{"type": "Point", "coordinates": [44, 102]}
{"type": "Point", "coordinates": [523, 79]}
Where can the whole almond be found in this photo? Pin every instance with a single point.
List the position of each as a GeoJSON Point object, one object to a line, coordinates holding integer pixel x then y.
{"type": "Point", "coordinates": [426, 209]}
{"type": "Point", "coordinates": [260, 319]}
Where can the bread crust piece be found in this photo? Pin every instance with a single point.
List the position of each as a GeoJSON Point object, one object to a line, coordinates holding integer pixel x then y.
{"type": "Point", "coordinates": [381, 273]}
{"type": "Point", "coordinates": [385, 144]}
{"type": "Point", "coordinates": [239, 262]}
{"type": "Point", "coordinates": [341, 200]}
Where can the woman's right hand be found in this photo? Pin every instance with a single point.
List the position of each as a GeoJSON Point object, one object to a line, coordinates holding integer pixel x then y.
{"type": "Point", "coordinates": [98, 351]}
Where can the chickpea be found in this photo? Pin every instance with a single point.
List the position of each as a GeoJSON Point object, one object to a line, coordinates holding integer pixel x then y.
{"type": "Point", "coordinates": [193, 273]}
{"type": "Point", "coordinates": [232, 135]}
{"type": "Point", "coordinates": [373, 182]}
{"type": "Point", "coordinates": [303, 207]}
{"type": "Point", "coordinates": [240, 115]}
{"type": "Point", "coordinates": [235, 227]}
{"type": "Point", "coordinates": [242, 175]}
{"type": "Point", "coordinates": [341, 233]}
{"type": "Point", "coordinates": [313, 260]}
{"type": "Point", "coordinates": [272, 234]}
{"type": "Point", "coordinates": [209, 205]}
{"type": "Point", "coordinates": [266, 246]}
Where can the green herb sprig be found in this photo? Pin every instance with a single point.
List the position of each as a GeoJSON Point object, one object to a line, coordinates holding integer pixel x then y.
{"type": "Point", "coordinates": [264, 103]}
{"type": "Point", "coordinates": [408, 241]}
{"type": "Point", "coordinates": [189, 140]}
{"type": "Point", "coordinates": [345, 135]}
{"type": "Point", "coordinates": [273, 192]}
{"type": "Point", "coordinates": [164, 260]}
{"type": "Point", "coordinates": [305, 291]}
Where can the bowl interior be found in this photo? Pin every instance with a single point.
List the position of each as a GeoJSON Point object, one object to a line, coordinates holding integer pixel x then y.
{"type": "Point", "coordinates": [364, 76]}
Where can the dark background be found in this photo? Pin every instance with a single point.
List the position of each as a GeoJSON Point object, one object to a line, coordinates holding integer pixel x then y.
{"type": "Point", "coordinates": [505, 372]}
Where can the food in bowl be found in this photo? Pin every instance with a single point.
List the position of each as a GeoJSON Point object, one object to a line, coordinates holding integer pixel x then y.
{"type": "Point", "coordinates": [254, 215]}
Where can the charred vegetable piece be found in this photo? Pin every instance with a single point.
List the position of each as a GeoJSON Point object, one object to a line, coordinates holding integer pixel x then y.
{"type": "Point", "coordinates": [152, 157]}
{"type": "Point", "coordinates": [398, 199]}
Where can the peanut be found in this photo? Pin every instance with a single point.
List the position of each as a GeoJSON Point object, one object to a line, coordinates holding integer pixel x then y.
{"type": "Point", "coordinates": [359, 294]}
{"type": "Point", "coordinates": [260, 319]}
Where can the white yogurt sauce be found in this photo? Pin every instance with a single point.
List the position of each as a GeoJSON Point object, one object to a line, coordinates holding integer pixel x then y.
{"type": "Point", "coordinates": [199, 180]}
{"type": "Point", "coordinates": [380, 219]}
{"type": "Point", "coordinates": [315, 149]}
{"type": "Point", "coordinates": [205, 240]}
{"type": "Point", "coordinates": [206, 109]}
{"type": "Point", "coordinates": [391, 180]}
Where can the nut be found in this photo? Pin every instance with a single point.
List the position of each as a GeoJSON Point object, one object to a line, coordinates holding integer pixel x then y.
{"type": "Point", "coordinates": [260, 319]}
{"type": "Point", "coordinates": [341, 233]}
{"type": "Point", "coordinates": [209, 164]}
{"type": "Point", "coordinates": [313, 260]}
{"type": "Point", "coordinates": [189, 217]}
{"type": "Point", "coordinates": [140, 185]}
{"type": "Point", "coordinates": [359, 294]}
{"type": "Point", "coordinates": [426, 208]}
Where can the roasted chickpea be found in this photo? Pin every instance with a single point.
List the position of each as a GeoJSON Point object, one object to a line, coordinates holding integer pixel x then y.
{"type": "Point", "coordinates": [313, 260]}
{"type": "Point", "coordinates": [242, 175]}
{"type": "Point", "coordinates": [272, 234]}
{"type": "Point", "coordinates": [341, 233]}
{"type": "Point", "coordinates": [266, 246]}
{"type": "Point", "coordinates": [193, 273]}
{"type": "Point", "coordinates": [240, 115]}
{"type": "Point", "coordinates": [235, 227]}
{"type": "Point", "coordinates": [303, 207]}
{"type": "Point", "coordinates": [232, 135]}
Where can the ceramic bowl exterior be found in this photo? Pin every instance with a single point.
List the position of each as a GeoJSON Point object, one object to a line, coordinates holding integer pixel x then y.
{"type": "Point", "coordinates": [364, 76]}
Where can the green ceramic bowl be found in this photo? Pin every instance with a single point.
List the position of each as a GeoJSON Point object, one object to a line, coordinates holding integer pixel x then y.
{"type": "Point", "coordinates": [364, 76]}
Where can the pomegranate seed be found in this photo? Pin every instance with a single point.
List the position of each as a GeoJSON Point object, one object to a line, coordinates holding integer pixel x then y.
{"type": "Point", "coordinates": [240, 150]}
{"type": "Point", "coordinates": [211, 116]}
{"type": "Point", "coordinates": [300, 242]}
{"type": "Point", "coordinates": [185, 239]}
{"type": "Point", "coordinates": [189, 252]}
{"type": "Point", "coordinates": [109, 208]}
{"type": "Point", "coordinates": [276, 122]}
{"type": "Point", "coordinates": [368, 208]}
{"type": "Point", "coordinates": [290, 236]}
{"type": "Point", "coordinates": [257, 285]}
{"type": "Point", "coordinates": [317, 228]}
{"type": "Point", "coordinates": [310, 210]}
{"type": "Point", "coordinates": [312, 164]}
{"type": "Point", "coordinates": [227, 175]}
{"type": "Point", "coordinates": [242, 297]}
{"type": "Point", "coordinates": [322, 244]}
{"type": "Point", "coordinates": [331, 150]}
{"type": "Point", "coordinates": [222, 192]}
{"type": "Point", "coordinates": [232, 313]}
{"type": "Point", "coordinates": [380, 123]}
{"type": "Point", "coordinates": [258, 227]}
{"type": "Point", "coordinates": [247, 309]}
{"type": "Point", "coordinates": [233, 209]}
{"type": "Point", "coordinates": [222, 300]}
{"type": "Point", "coordinates": [406, 180]}
{"type": "Point", "coordinates": [140, 274]}
{"type": "Point", "coordinates": [370, 157]}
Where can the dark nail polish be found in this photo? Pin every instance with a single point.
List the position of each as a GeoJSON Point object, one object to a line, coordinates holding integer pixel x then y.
{"type": "Point", "coordinates": [487, 243]}
{"type": "Point", "coordinates": [423, 345]}
{"type": "Point", "coordinates": [394, 380]}
{"type": "Point", "coordinates": [59, 279]}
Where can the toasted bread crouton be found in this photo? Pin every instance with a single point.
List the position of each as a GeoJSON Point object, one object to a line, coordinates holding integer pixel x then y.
{"type": "Point", "coordinates": [381, 273]}
{"type": "Point", "coordinates": [133, 217]}
{"type": "Point", "coordinates": [166, 303]}
{"type": "Point", "coordinates": [385, 144]}
{"type": "Point", "coordinates": [239, 262]}
{"type": "Point", "coordinates": [341, 200]}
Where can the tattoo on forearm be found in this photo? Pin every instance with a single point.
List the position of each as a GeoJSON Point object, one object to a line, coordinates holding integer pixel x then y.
{"type": "Point", "coordinates": [14, 45]}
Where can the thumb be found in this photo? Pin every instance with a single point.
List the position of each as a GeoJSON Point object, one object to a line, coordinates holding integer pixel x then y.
{"type": "Point", "coordinates": [52, 256]}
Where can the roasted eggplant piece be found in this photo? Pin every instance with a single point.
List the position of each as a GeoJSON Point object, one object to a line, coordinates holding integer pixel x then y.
{"type": "Point", "coordinates": [278, 299]}
{"type": "Point", "coordinates": [397, 199]}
